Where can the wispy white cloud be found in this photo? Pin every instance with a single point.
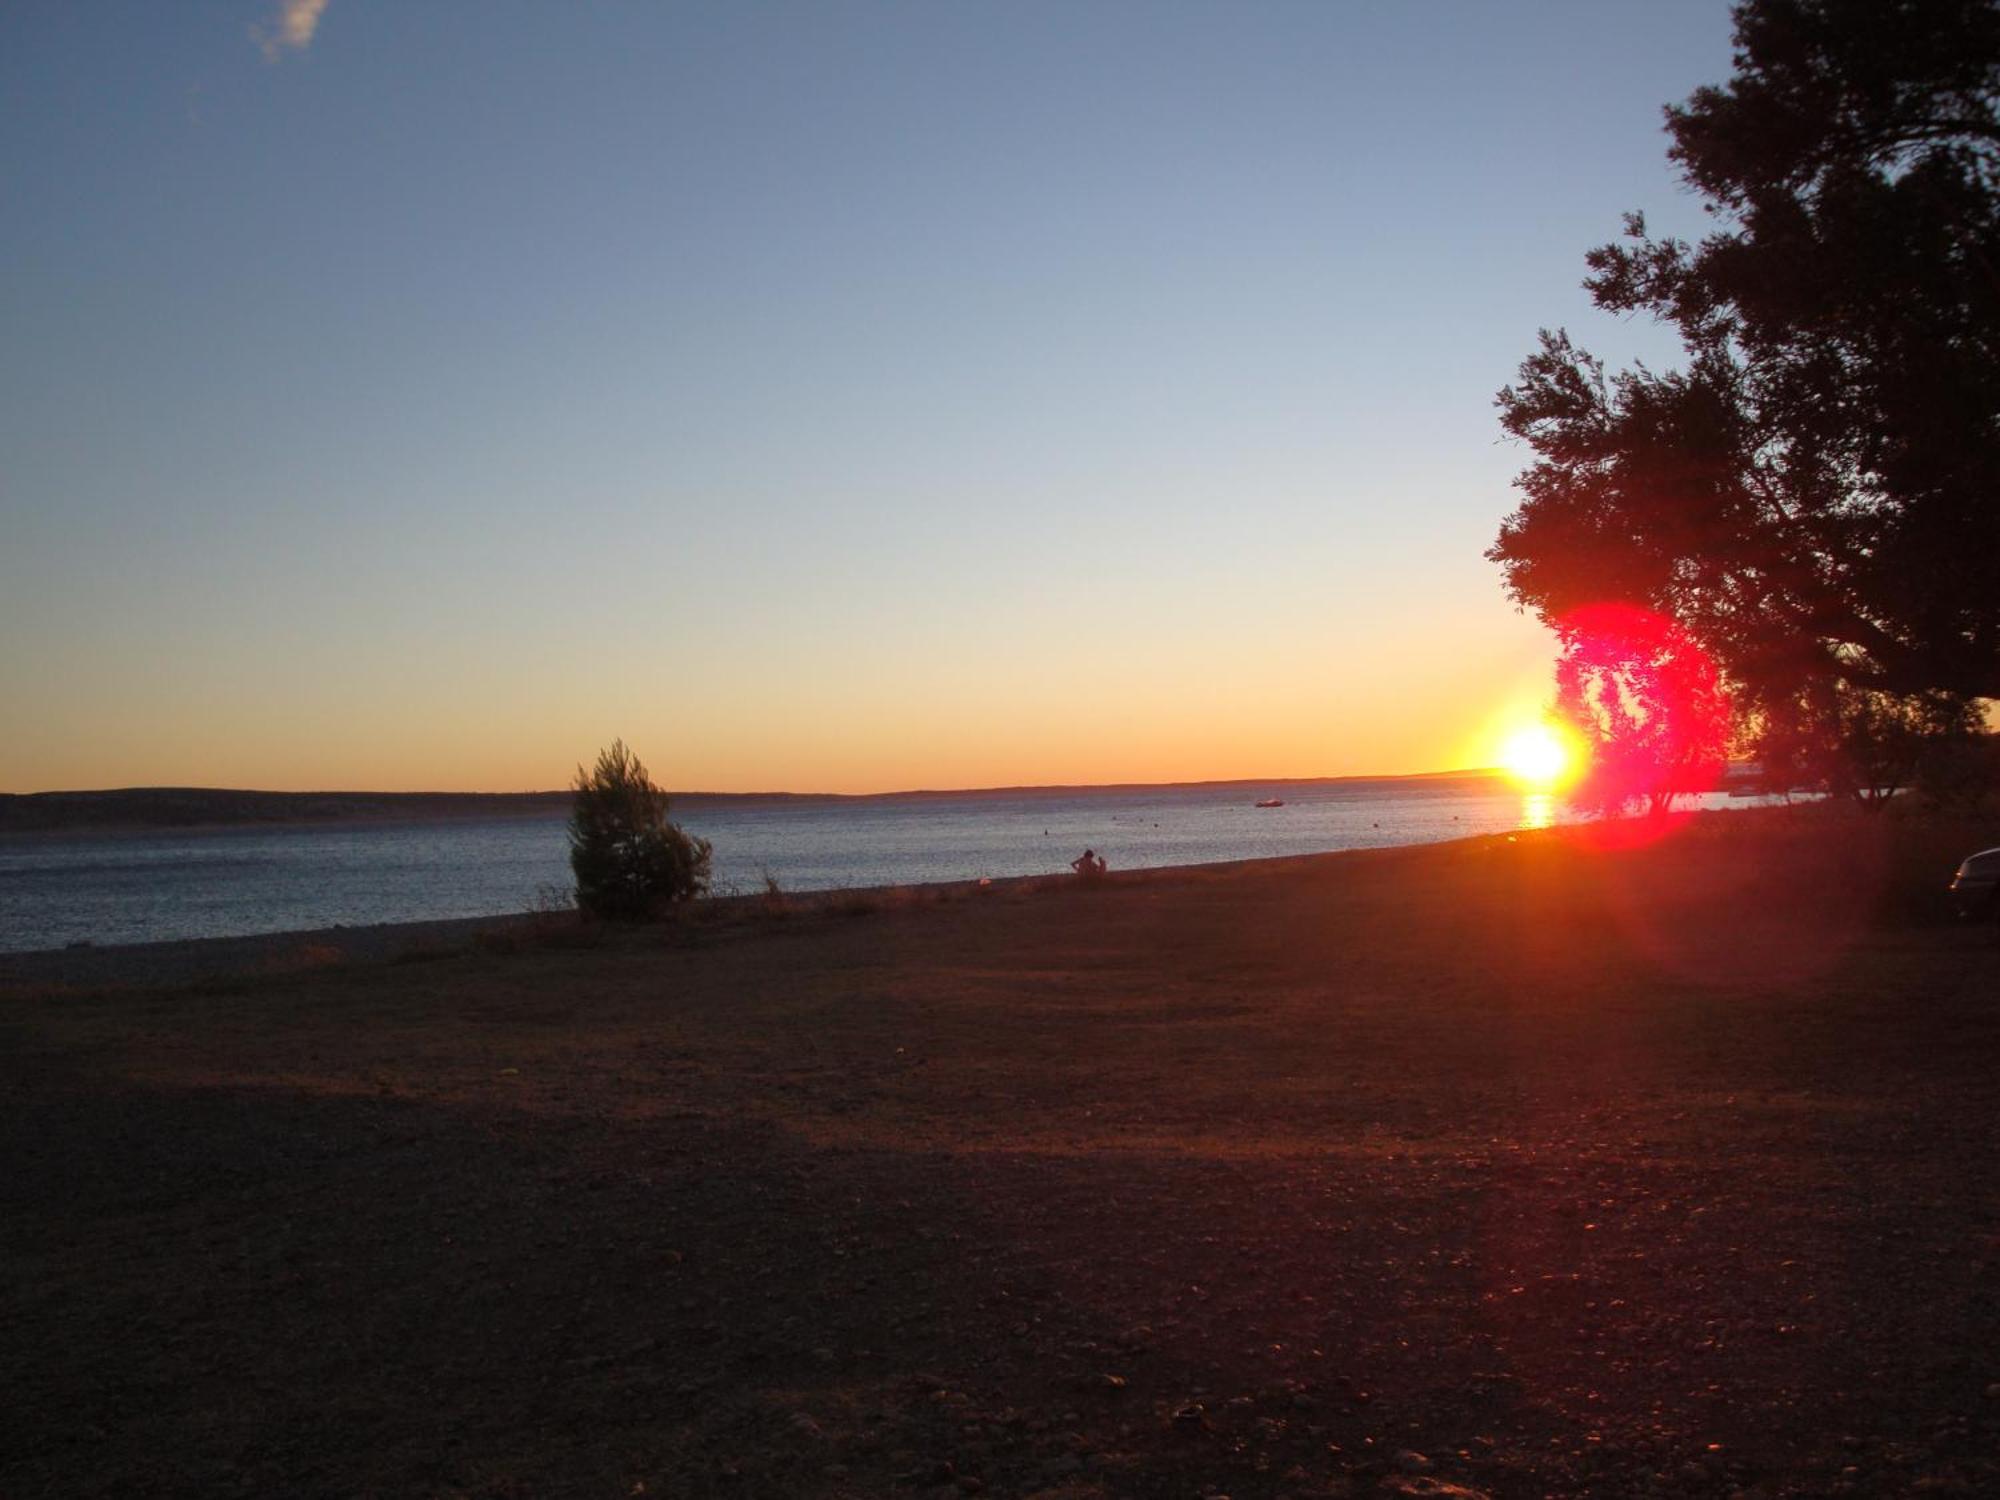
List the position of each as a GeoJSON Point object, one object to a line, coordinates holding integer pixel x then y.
{"type": "Point", "coordinates": [293, 29]}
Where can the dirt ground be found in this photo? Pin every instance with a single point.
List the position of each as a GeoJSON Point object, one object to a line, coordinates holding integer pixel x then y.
{"type": "Point", "coordinates": [1514, 1168]}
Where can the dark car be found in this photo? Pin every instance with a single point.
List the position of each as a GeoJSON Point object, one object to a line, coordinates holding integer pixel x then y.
{"type": "Point", "coordinates": [1976, 888]}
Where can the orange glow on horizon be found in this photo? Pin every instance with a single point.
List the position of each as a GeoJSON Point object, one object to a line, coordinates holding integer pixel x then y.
{"type": "Point", "coordinates": [1062, 711]}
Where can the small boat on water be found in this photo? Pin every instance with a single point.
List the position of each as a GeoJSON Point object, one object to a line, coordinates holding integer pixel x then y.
{"type": "Point", "coordinates": [1272, 802]}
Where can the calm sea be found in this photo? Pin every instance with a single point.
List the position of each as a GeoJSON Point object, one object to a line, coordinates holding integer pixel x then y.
{"type": "Point", "coordinates": [216, 883]}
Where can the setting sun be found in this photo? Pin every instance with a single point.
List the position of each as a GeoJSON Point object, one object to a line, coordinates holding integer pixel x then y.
{"type": "Point", "coordinates": [1537, 756]}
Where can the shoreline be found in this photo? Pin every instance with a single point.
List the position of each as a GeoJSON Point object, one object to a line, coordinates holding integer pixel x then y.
{"type": "Point", "coordinates": [170, 963]}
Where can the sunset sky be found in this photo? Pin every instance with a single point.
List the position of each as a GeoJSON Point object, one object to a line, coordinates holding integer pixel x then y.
{"type": "Point", "coordinates": [822, 397]}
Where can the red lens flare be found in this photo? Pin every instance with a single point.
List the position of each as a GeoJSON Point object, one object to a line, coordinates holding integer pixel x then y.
{"type": "Point", "coordinates": [1650, 707]}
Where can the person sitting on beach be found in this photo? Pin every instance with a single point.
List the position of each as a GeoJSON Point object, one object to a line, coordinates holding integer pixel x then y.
{"type": "Point", "coordinates": [1088, 865]}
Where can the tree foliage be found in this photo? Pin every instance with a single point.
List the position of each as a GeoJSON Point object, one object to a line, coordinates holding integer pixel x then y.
{"type": "Point", "coordinates": [630, 862]}
{"type": "Point", "coordinates": [1815, 493]}
{"type": "Point", "coordinates": [1868, 745]}
{"type": "Point", "coordinates": [1649, 702]}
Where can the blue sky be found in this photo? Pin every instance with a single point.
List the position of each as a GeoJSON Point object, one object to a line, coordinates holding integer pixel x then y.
{"type": "Point", "coordinates": [820, 396]}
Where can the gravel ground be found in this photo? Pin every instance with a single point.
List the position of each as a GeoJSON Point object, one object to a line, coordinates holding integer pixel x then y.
{"type": "Point", "coordinates": [156, 965]}
{"type": "Point", "coordinates": [1502, 1168]}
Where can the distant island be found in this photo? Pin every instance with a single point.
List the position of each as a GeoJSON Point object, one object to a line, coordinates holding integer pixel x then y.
{"type": "Point", "coordinates": [139, 808]}
{"type": "Point", "coordinates": [199, 807]}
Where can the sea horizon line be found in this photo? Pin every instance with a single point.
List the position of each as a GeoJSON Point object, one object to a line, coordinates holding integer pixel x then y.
{"type": "Point", "coordinates": [1011, 789]}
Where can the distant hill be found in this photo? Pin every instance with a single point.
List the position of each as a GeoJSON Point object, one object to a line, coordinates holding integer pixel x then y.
{"type": "Point", "coordinates": [195, 807]}
{"type": "Point", "coordinates": [220, 807]}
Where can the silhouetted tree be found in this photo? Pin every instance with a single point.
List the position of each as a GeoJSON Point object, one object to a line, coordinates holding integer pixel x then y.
{"type": "Point", "coordinates": [630, 862]}
{"type": "Point", "coordinates": [1855, 742]}
{"type": "Point", "coordinates": [1648, 702]}
{"type": "Point", "coordinates": [1815, 495]}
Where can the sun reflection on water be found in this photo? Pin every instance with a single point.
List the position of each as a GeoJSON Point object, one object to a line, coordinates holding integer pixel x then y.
{"type": "Point", "coordinates": [1538, 810]}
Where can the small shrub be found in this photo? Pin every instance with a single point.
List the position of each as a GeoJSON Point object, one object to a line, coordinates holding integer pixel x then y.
{"type": "Point", "coordinates": [772, 900]}
{"type": "Point", "coordinates": [630, 863]}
